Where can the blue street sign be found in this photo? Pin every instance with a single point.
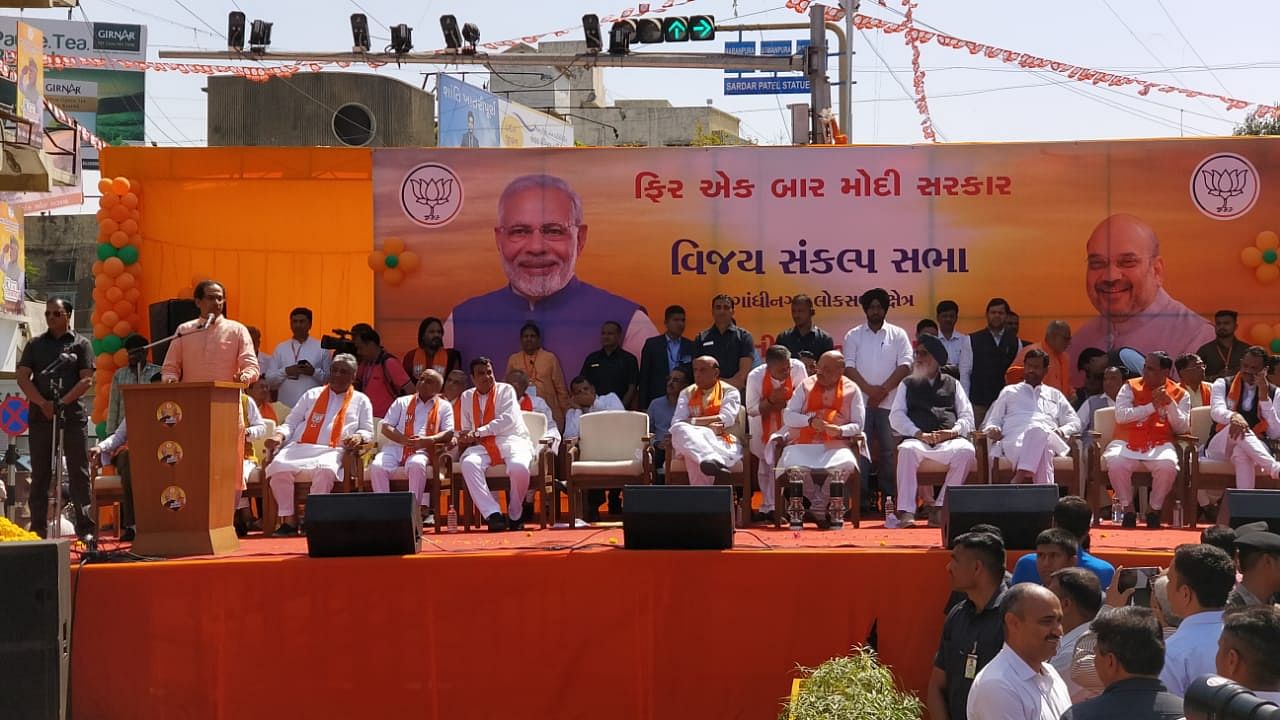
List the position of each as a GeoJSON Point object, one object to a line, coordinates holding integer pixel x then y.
{"type": "Point", "coordinates": [775, 47]}
{"type": "Point", "coordinates": [739, 48]}
{"type": "Point", "coordinates": [765, 85]}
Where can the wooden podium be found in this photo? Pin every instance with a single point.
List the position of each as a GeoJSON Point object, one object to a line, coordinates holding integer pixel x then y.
{"type": "Point", "coordinates": [185, 457]}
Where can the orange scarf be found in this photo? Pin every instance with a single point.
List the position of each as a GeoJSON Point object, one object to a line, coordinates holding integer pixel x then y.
{"type": "Point", "coordinates": [706, 403]}
{"type": "Point", "coordinates": [440, 360]}
{"type": "Point", "coordinates": [1233, 403]}
{"type": "Point", "coordinates": [311, 435]}
{"type": "Point", "coordinates": [477, 419]}
{"type": "Point", "coordinates": [526, 403]}
{"type": "Point", "coordinates": [772, 420]}
{"type": "Point", "coordinates": [1154, 430]}
{"type": "Point", "coordinates": [268, 413]}
{"type": "Point", "coordinates": [828, 413]}
{"type": "Point", "coordinates": [431, 428]}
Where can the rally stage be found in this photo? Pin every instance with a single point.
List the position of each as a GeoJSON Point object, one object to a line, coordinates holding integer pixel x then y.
{"type": "Point", "coordinates": [533, 624]}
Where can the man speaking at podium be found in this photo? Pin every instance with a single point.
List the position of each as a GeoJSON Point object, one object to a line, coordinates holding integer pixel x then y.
{"type": "Point", "coordinates": [211, 347]}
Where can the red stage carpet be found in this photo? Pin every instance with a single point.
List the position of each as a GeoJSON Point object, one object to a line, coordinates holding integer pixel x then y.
{"type": "Point", "coordinates": [541, 624]}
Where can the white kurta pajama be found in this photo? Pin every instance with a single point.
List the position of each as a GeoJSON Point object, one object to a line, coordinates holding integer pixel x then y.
{"type": "Point", "coordinates": [831, 453]}
{"type": "Point", "coordinates": [512, 438]}
{"type": "Point", "coordinates": [755, 427]}
{"type": "Point", "coordinates": [391, 455]}
{"type": "Point", "coordinates": [696, 443]}
{"type": "Point", "coordinates": [1248, 453]}
{"type": "Point", "coordinates": [1161, 460]}
{"type": "Point", "coordinates": [322, 459]}
{"type": "Point", "coordinates": [957, 454]}
{"type": "Point", "coordinates": [1034, 423]}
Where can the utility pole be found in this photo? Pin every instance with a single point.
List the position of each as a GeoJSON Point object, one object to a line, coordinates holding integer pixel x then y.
{"type": "Point", "coordinates": [816, 71]}
{"type": "Point", "coordinates": [846, 62]}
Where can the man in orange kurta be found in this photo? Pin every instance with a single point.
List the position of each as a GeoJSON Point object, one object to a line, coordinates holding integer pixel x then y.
{"type": "Point", "coordinates": [211, 349]}
{"type": "Point", "coordinates": [543, 369]}
{"type": "Point", "coordinates": [1057, 338]}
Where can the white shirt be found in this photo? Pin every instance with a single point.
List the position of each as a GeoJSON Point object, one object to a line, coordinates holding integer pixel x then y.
{"type": "Point", "coordinates": [960, 354]}
{"type": "Point", "coordinates": [541, 406]}
{"type": "Point", "coordinates": [1020, 407]}
{"type": "Point", "coordinates": [507, 420]}
{"type": "Point", "coordinates": [902, 424]}
{"type": "Point", "coordinates": [854, 407]}
{"type": "Point", "coordinates": [1062, 662]}
{"type": "Point", "coordinates": [398, 416]}
{"type": "Point", "coordinates": [254, 430]}
{"type": "Point", "coordinates": [573, 418]}
{"type": "Point", "coordinates": [875, 355]}
{"type": "Point", "coordinates": [287, 354]}
{"type": "Point", "coordinates": [1010, 689]}
{"type": "Point", "coordinates": [730, 405]}
{"type": "Point", "coordinates": [1221, 409]}
{"type": "Point", "coordinates": [359, 419]}
{"type": "Point", "coordinates": [755, 382]}
{"type": "Point", "coordinates": [1190, 651]}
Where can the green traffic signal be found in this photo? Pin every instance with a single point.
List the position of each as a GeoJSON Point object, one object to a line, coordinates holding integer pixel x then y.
{"type": "Point", "coordinates": [675, 29]}
{"type": "Point", "coordinates": [702, 27]}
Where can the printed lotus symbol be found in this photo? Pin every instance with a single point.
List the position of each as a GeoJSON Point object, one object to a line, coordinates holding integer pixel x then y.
{"type": "Point", "coordinates": [432, 192]}
{"type": "Point", "coordinates": [1224, 185]}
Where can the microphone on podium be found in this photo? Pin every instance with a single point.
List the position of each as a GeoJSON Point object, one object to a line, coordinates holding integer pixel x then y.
{"type": "Point", "coordinates": [208, 320]}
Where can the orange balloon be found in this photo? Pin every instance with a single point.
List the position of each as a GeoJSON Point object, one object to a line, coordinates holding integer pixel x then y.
{"type": "Point", "coordinates": [408, 261]}
{"type": "Point", "coordinates": [103, 281]}
{"type": "Point", "coordinates": [100, 331]}
{"type": "Point", "coordinates": [126, 280]}
{"type": "Point", "coordinates": [134, 270]}
{"type": "Point", "coordinates": [130, 227]}
{"type": "Point", "coordinates": [392, 246]}
{"type": "Point", "coordinates": [122, 329]}
{"type": "Point", "coordinates": [119, 213]}
{"type": "Point", "coordinates": [134, 320]}
{"type": "Point", "coordinates": [108, 226]}
{"type": "Point", "coordinates": [104, 186]}
{"type": "Point", "coordinates": [108, 201]}
{"type": "Point", "coordinates": [393, 276]}
{"type": "Point", "coordinates": [118, 239]}
{"type": "Point", "coordinates": [129, 200]}
{"type": "Point", "coordinates": [122, 358]}
{"type": "Point", "coordinates": [132, 295]}
{"type": "Point", "coordinates": [110, 318]}
{"type": "Point", "coordinates": [97, 267]}
{"type": "Point", "coordinates": [135, 240]}
{"type": "Point", "coordinates": [100, 296]}
{"type": "Point", "coordinates": [120, 185]}
{"type": "Point", "coordinates": [104, 360]}
{"type": "Point", "coordinates": [123, 308]}
{"type": "Point", "coordinates": [112, 266]}
{"type": "Point", "coordinates": [101, 215]}
{"type": "Point", "coordinates": [377, 260]}
{"type": "Point", "coordinates": [135, 185]}
{"type": "Point", "coordinates": [135, 215]}
{"type": "Point", "coordinates": [114, 294]}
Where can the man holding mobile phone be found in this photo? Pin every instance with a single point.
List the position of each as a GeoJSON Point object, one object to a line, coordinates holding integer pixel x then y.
{"type": "Point", "coordinates": [299, 363]}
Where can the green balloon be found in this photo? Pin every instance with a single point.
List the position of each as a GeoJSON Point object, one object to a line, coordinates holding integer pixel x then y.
{"type": "Point", "coordinates": [1269, 256]}
{"type": "Point", "coordinates": [106, 250]}
{"type": "Point", "coordinates": [101, 430]}
{"type": "Point", "coordinates": [392, 261]}
{"type": "Point", "coordinates": [1275, 345]}
{"type": "Point", "coordinates": [97, 346]}
{"type": "Point", "coordinates": [128, 254]}
{"type": "Point", "coordinates": [112, 343]}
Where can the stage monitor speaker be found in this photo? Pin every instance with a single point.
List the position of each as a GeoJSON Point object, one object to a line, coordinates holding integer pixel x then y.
{"type": "Point", "coordinates": [35, 629]}
{"type": "Point", "coordinates": [677, 517]}
{"type": "Point", "coordinates": [1020, 511]}
{"type": "Point", "coordinates": [344, 524]}
{"type": "Point", "coordinates": [1246, 506]}
{"type": "Point", "coordinates": [166, 316]}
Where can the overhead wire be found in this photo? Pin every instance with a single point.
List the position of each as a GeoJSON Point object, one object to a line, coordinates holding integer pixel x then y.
{"type": "Point", "coordinates": [1192, 47]}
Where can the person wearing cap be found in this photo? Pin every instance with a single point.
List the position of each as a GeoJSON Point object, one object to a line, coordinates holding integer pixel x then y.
{"type": "Point", "coordinates": [1260, 566]}
{"type": "Point", "coordinates": [934, 417]}
{"type": "Point", "coordinates": [1031, 422]}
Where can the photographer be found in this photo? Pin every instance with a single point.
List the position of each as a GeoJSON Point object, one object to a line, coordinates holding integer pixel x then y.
{"type": "Point", "coordinates": [55, 371]}
{"type": "Point", "coordinates": [380, 375]}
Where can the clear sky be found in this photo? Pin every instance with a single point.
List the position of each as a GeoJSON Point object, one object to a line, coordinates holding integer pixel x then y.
{"type": "Point", "coordinates": [1213, 47]}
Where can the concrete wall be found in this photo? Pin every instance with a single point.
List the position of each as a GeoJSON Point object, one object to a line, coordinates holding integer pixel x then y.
{"type": "Point", "coordinates": [653, 123]}
{"type": "Point", "coordinates": [59, 239]}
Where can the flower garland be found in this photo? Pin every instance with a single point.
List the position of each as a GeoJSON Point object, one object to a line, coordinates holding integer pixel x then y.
{"type": "Point", "coordinates": [12, 533]}
{"type": "Point", "coordinates": [116, 294]}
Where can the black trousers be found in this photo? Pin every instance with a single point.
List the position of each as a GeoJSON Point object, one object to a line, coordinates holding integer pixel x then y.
{"type": "Point", "coordinates": [121, 461]}
{"type": "Point", "coordinates": [75, 451]}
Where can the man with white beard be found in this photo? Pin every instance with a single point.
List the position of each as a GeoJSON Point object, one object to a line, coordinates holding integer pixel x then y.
{"type": "Point", "coordinates": [934, 417]}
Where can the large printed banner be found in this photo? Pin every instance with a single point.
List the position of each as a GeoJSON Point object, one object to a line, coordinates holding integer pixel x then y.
{"type": "Point", "coordinates": [1133, 243]}
{"type": "Point", "coordinates": [473, 117]}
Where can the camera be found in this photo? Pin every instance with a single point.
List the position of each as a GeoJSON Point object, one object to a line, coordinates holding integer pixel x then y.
{"type": "Point", "coordinates": [339, 342]}
{"type": "Point", "coordinates": [1212, 697]}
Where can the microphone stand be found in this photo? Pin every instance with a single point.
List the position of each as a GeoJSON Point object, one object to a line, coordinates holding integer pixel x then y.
{"type": "Point", "coordinates": [207, 324]}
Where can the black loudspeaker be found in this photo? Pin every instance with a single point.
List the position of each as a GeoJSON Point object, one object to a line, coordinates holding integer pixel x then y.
{"type": "Point", "coordinates": [1246, 506]}
{"type": "Point", "coordinates": [166, 316]}
{"type": "Point", "coordinates": [1020, 511]}
{"type": "Point", "coordinates": [342, 524]}
{"type": "Point", "coordinates": [35, 629]}
{"type": "Point", "coordinates": [677, 517]}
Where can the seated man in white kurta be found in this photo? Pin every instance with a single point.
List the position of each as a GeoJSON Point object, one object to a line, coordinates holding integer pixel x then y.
{"type": "Point", "coordinates": [933, 415]}
{"type": "Point", "coordinates": [1031, 422]}
{"type": "Point", "coordinates": [493, 433]}
{"type": "Point", "coordinates": [414, 424]}
{"type": "Point", "coordinates": [824, 412]}
{"type": "Point", "coordinates": [326, 422]}
{"type": "Point", "coordinates": [705, 412]}
{"type": "Point", "coordinates": [1245, 414]}
{"type": "Point", "coordinates": [769, 388]}
{"type": "Point", "coordinates": [1150, 412]}
{"type": "Point", "coordinates": [584, 400]}
{"type": "Point", "coordinates": [530, 402]}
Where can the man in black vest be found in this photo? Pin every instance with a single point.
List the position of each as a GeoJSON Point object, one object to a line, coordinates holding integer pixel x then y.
{"type": "Point", "coordinates": [934, 418]}
{"type": "Point", "coordinates": [993, 350]}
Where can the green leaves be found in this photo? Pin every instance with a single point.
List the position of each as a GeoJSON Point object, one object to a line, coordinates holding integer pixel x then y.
{"type": "Point", "coordinates": [855, 687]}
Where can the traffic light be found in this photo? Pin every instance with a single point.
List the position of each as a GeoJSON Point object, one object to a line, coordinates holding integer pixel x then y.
{"type": "Point", "coordinates": [235, 31]}
{"type": "Point", "coordinates": [591, 32]}
{"type": "Point", "coordinates": [702, 27]}
{"type": "Point", "coordinates": [620, 36]}
{"type": "Point", "coordinates": [648, 31]}
{"type": "Point", "coordinates": [675, 29]}
{"type": "Point", "coordinates": [452, 35]}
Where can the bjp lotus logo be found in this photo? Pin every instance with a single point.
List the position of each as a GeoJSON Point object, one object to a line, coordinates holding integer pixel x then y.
{"type": "Point", "coordinates": [431, 195]}
{"type": "Point", "coordinates": [1225, 186]}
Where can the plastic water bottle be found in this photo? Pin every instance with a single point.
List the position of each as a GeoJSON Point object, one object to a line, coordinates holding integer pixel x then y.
{"type": "Point", "coordinates": [1177, 514]}
{"type": "Point", "coordinates": [795, 506]}
{"type": "Point", "coordinates": [890, 510]}
{"type": "Point", "coordinates": [1117, 510]}
{"type": "Point", "coordinates": [452, 522]}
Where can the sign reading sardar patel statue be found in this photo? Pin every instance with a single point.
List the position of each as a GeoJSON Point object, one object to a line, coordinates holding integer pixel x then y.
{"type": "Point", "coordinates": [1131, 243]}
